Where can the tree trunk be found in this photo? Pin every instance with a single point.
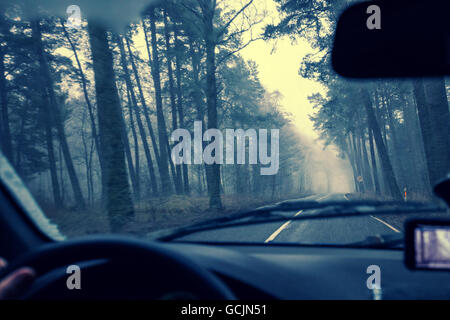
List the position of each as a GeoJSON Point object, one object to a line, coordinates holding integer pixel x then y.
{"type": "Point", "coordinates": [215, 200]}
{"type": "Point", "coordinates": [358, 162]}
{"type": "Point", "coordinates": [396, 150]}
{"type": "Point", "coordinates": [425, 127]}
{"type": "Point", "coordinates": [138, 118]}
{"type": "Point", "coordinates": [379, 116]}
{"type": "Point", "coordinates": [173, 170]}
{"type": "Point", "coordinates": [86, 97]}
{"type": "Point", "coordinates": [198, 99]}
{"type": "Point", "coordinates": [136, 146]}
{"type": "Point", "coordinates": [178, 175]}
{"type": "Point", "coordinates": [86, 159]}
{"type": "Point", "coordinates": [415, 147]}
{"type": "Point", "coordinates": [350, 156]}
{"type": "Point", "coordinates": [385, 161]}
{"type": "Point", "coordinates": [368, 182]}
{"type": "Point", "coordinates": [118, 196]}
{"type": "Point", "coordinates": [162, 131]}
{"type": "Point", "coordinates": [51, 154]}
{"type": "Point", "coordinates": [367, 174]}
{"type": "Point", "coordinates": [61, 174]}
{"type": "Point", "coordinates": [143, 103]}
{"type": "Point", "coordinates": [91, 178]}
{"type": "Point", "coordinates": [374, 163]}
{"type": "Point", "coordinates": [56, 113]}
{"type": "Point", "coordinates": [126, 143]}
{"type": "Point", "coordinates": [178, 50]}
{"type": "Point", "coordinates": [437, 103]}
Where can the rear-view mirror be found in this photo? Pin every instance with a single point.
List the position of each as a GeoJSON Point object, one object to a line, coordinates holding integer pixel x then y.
{"type": "Point", "coordinates": [427, 244]}
{"type": "Point", "coordinates": [385, 38]}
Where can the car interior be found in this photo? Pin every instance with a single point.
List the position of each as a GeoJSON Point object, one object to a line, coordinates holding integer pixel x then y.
{"type": "Point", "coordinates": [181, 264]}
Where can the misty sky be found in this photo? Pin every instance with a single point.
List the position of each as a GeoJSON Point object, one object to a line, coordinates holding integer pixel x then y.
{"type": "Point", "coordinates": [278, 64]}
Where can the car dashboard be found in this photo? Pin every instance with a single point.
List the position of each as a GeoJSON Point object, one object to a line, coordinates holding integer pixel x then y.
{"type": "Point", "coordinates": [303, 273]}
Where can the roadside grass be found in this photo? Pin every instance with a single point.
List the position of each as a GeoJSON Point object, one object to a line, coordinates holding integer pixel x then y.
{"type": "Point", "coordinates": [398, 220]}
{"type": "Point", "coordinates": [153, 214]}
{"type": "Point", "coordinates": [411, 196]}
{"type": "Point", "coordinates": [161, 213]}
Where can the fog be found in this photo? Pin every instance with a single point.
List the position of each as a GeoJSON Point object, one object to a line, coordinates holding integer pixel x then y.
{"type": "Point", "coordinates": [325, 171]}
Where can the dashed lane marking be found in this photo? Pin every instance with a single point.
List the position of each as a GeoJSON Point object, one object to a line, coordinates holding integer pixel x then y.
{"type": "Point", "coordinates": [380, 220]}
{"type": "Point", "coordinates": [386, 224]}
{"type": "Point", "coordinates": [278, 231]}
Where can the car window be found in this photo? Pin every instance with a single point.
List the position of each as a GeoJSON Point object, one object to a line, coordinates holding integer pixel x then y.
{"type": "Point", "coordinates": [141, 118]}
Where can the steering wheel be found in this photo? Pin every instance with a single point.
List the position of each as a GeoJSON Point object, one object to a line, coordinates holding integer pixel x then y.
{"type": "Point", "coordinates": [117, 267]}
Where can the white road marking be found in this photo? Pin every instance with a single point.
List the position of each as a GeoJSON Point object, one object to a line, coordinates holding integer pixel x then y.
{"type": "Point", "coordinates": [284, 226]}
{"type": "Point", "coordinates": [379, 220]}
{"type": "Point", "coordinates": [323, 197]}
{"type": "Point", "coordinates": [386, 224]}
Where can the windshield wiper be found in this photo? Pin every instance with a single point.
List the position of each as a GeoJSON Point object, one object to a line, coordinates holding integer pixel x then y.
{"type": "Point", "coordinates": [273, 213]}
{"type": "Point", "coordinates": [337, 206]}
{"type": "Point", "coordinates": [380, 241]}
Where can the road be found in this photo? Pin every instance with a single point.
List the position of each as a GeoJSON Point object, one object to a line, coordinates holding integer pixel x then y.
{"type": "Point", "coordinates": [320, 231]}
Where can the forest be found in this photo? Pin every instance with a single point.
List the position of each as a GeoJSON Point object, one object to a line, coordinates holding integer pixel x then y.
{"type": "Point", "coordinates": [395, 133]}
{"type": "Point", "coordinates": [86, 114]}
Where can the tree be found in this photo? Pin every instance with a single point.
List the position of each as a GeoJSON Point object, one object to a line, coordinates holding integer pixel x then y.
{"type": "Point", "coordinates": [84, 85]}
{"type": "Point", "coordinates": [385, 161]}
{"type": "Point", "coordinates": [54, 110]}
{"type": "Point", "coordinates": [119, 204]}
{"type": "Point", "coordinates": [389, 111]}
{"type": "Point", "coordinates": [133, 101]}
{"type": "Point", "coordinates": [433, 110]}
{"type": "Point", "coordinates": [173, 103]}
{"type": "Point", "coordinates": [204, 15]}
{"type": "Point", "coordinates": [162, 130]}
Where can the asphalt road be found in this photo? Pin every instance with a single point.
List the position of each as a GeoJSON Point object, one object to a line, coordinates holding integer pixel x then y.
{"type": "Point", "coordinates": [321, 231]}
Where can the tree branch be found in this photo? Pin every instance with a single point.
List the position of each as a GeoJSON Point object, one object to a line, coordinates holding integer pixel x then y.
{"type": "Point", "coordinates": [233, 18]}
{"type": "Point", "coordinates": [237, 50]}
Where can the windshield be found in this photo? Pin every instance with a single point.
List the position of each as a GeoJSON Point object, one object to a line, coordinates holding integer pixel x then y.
{"type": "Point", "coordinates": [147, 117]}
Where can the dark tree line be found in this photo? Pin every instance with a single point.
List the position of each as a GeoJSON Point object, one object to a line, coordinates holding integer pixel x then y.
{"type": "Point", "coordinates": [395, 134]}
{"type": "Point", "coordinates": [86, 114]}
